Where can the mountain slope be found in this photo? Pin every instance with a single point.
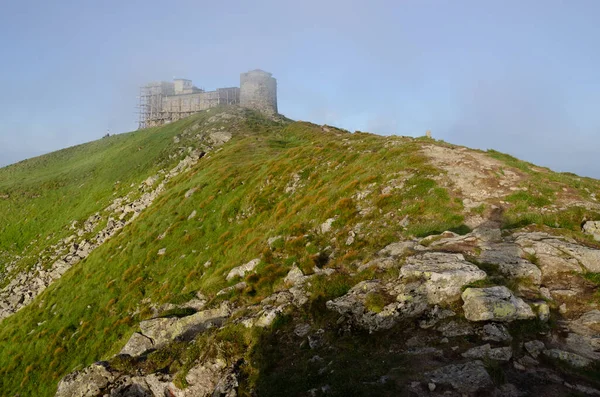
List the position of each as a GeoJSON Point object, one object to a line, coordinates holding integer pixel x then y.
{"type": "Point", "coordinates": [297, 198]}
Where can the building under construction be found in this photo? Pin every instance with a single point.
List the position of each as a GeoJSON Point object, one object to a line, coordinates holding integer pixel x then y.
{"type": "Point", "coordinates": [165, 102]}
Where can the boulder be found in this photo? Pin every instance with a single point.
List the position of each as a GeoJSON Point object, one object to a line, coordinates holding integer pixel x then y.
{"type": "Point", "coordinates": [89, 382]}
{"type": "Point", "coordinates": [240, 271]}
{"type": "Point", "coordinates": [398, 249]}
{"type": "Point", "coordinates": [295, 276]}
{"type": "Point", "coordinates": [469, 378]}
{"type": "Point", "coordinates": [534, 347]}
{"type": "Point", "coordinates": [137, 345]}
{"type": "Point", "coordinates": [590, 321]}
{"type": "Point", "coordinates": [353, 305]}
{"type": "Point", "coordinates": [487, 352]}
{"type": "Point", "coordinates": [559, 255]}
{"type": "Point", "coordinates": [572, 359]}
{"type": "Point", "coordinates": [495, 304]}
{"type": "Point", "coordinates": [456, 328]}
{"type": "Point", "coordinates": [510, 263]}
{"type": "Point", "coordinates": [442, 274]}
{"type": "Point", "coordinates": [165, 330]}
{"type": "Point", "coordinates": [592, 228]}
{"type": "Point", "coordinates": [494, 332]}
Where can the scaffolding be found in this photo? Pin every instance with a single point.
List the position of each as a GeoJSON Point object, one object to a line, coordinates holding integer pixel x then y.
{"type": "Point", "coordinates": [150, 105]}
{"type": "Point", "coordinates": [160, 103]}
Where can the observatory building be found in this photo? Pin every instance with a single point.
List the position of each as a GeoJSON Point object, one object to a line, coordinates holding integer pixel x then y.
{"type": "Point", "coordinates": [164, 102]}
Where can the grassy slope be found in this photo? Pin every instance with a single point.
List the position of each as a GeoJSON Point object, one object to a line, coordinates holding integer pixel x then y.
{"type": "Point", "coordinates": [241, 201]}
{"type": "Point", "coordinates": [41, 197]}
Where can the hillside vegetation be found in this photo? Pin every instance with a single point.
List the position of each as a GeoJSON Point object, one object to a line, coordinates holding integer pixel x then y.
{"type": "Point", "coordinates": [288, 194]}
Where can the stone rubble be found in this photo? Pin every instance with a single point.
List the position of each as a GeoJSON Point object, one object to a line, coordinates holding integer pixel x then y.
{"type": "Point", "coordinates": [495, 304]}
{"type": "Point", "coordinates": [25, 286]}
{"type": "Point", "coordinates": [427, 281]}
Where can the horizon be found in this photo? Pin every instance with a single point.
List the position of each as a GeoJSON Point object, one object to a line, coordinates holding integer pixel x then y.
{"type": "Point", "coordinates": [517, 78]}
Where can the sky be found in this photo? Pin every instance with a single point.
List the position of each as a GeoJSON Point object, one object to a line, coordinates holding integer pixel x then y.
{"type": "Point", "coordinates": [517, 76]}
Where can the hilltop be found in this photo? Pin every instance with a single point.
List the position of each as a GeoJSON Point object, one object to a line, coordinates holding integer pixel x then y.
{"type": "Point", "coordinates": [231, 253]}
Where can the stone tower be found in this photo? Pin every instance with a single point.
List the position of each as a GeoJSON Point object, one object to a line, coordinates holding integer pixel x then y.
{"type": "Point", "coordinates": [258, 90]}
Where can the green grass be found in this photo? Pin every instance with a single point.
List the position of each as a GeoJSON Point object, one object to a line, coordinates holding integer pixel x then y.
{"type": "Point", "coordinates": [544, 188]}
{"type": "Point", "coordinates": [41, 197]}
{"type": "Point", "coordinates": [273, 179]}
{"type": "Point", "coordinates": [240, 200]}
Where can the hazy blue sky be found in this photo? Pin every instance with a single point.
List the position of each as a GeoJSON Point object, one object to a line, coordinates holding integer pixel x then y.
{"type": "Point", "coordinates": [521, 77]}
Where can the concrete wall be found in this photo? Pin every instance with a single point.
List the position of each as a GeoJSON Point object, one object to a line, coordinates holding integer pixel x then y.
{"type": "Point", "coordinates": [183, 86]}
{"type": "Point", "coordinates": [258, 90]}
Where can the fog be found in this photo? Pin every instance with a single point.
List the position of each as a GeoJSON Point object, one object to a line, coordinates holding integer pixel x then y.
{"type": "Point", "coordinates": [518, 78]}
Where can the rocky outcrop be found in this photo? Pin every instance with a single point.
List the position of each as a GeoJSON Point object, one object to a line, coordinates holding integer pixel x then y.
{"type": "Point", "coordinates": [158, 332]}
{"type": "Point", "coordinates": [593, 229]}
{"type": "Point", "coordinates": [441, 275]}
{"type": "Point", "coordinates": [468, 378]}
{"type": "Point", "coordinates": [495, 304]}
{"type": "Point", "coordinates": [240, 271]}
{"type": "Point", "coordinates": [557, 255]}
{"type": "Point", "coordinates": [423, 283]}
{"type": "Point", "coordinates": [354, 306]}
{"type": "Point", "coordinates": [487, 352]}
{"type": "Point", "coordinates": [25, 286]}
{"type": "Point", "coordinates": [209, 378]}
{"type": "Point", "coordinates": [569, 358]}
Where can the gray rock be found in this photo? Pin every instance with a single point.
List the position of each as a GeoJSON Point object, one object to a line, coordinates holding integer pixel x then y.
{"type": "Point", "coordinates": [398, 249]}
{"type": "Point", "coordinates": [442, 274]}
{"type": "Point", "coordinates": [592, 228]}
{"type": "Point", "coordinates": [590, 320]}
{"type": "Point", "coordinates": [469, 378]}
{"type": "Point", "coordinates": [137, 345]}
{"type": "Point", "coordinates": [558, 255]}
{"type": "Point", "coordinates": [165, 330]}
{"type": "Point", "coordinates": [486, 352]}
{"type": "Point", "coordinates": [240, 271]}
{"type": "Point", "coordinates": [326, 226]}
{"type": "Point", "coordinates": [542, 309]}
{"type": "Point", "coordinates": [534, 347]}
{"type": "Point", "coordinates": [494, 303]}
{"type": "Point", "coordinates": [574, 360]}
{"type": "Point", "coordinates": [353, 305]}
{"type": "Point", "coordinates": [236, 287]}
{"type": "Point", "coordinates": [295, 276]}
{"type": "Point", "coordinates": [435, 315]}
{"type": "Point", "coordinates": [302, 330]}
{"type": "Point", "coordinates": [584, 345]}
{"type": "Point", "coordinates": [89, 382]}
{"type": "Point", "coordinates": [454, 328]}
{"type": "Point", "coordinates": [495, 333]}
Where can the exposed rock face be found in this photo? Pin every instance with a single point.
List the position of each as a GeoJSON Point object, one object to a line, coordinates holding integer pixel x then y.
{"type": "Point", "coordinates": [443, 274]}
{"type": "Point", "coordinates": [240, 271]}
{"type": "Point", "coordinates": [495, 333]}
{"type": "Point", "coordinates": [138, 344]}
{"type": "Point", "coordinates": [89, 382]}
{"type": "Point", "coordinates": [353, 305]}
{"type": "Point", "coordinates": [469, 378]}
{"type": "Point", "coordinates": [494, 303]}
{"type": "Point", "coordinates": [509, 258]}
{"type": "Point", "coordinates": [572, 359]}
{"type": "Point", "coordinates": [487, 352]}
{"type": "Point", "coordinates": [211, 378]}
{"type": "Point", "coordinates": [398, 249]}
{"type": "Point", "coordinates": [592, 228]}
{"type": "Point", "coordinates": [161, 331]}
{"type": "Point", "coordinates": [559, 255]}
{"type": "Point", "coordinates": [24, 287]}
{"type": "Point", "coordinates": [426, 277]}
